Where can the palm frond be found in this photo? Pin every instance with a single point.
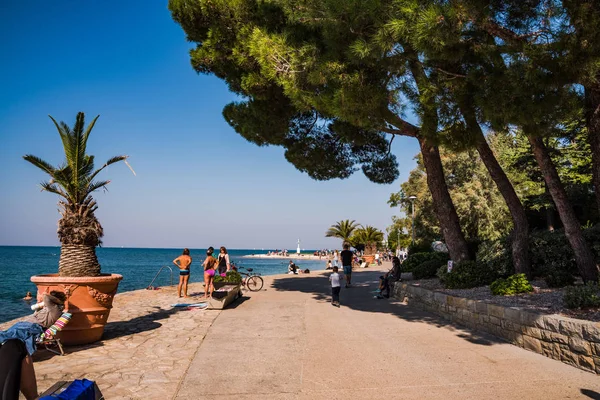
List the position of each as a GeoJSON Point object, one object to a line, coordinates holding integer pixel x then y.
{"type": "Point", "coordinates": [53, 188]}
{"type": "Point", "coordinates": [109, 162]}
{"type": "Point", "coordinates": [41, 164]}
{"type": "Point", "coordinates": [95, 186]}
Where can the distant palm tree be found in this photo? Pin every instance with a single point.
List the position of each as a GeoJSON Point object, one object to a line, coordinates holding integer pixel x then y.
{"type": "Point", "coordinates": [368, 236]}
{"type": "Point", "coordinates": [342, 229]}
{"type": "Point", "coordinates": [79, 231]}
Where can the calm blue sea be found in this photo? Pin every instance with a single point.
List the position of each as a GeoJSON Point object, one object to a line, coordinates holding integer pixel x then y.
{"type": "Point", "coordinates": [138, 267]}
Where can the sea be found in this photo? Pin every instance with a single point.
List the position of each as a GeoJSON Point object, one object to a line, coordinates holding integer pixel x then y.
{"type": "Point", "coordinates": [138, 267]}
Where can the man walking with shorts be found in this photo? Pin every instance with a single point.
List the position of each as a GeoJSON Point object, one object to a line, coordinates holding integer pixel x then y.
{"type": "Point", "coordinates": [346, 256]}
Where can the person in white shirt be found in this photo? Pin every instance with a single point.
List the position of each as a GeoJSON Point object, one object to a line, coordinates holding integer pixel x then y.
{"type": "Point", "coordinates": [377, 258]}
{"type": "Point", "coordinates": [335, 280]}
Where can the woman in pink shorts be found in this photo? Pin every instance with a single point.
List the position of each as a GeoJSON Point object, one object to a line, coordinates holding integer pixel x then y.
{"type": "Point", "coordinates": [209, 272]}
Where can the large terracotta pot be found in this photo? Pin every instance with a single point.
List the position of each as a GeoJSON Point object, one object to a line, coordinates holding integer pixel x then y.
{"type": "Point", "coordinates": [89, 299]}
{"type": "Point", "coordinates": [370, 258]}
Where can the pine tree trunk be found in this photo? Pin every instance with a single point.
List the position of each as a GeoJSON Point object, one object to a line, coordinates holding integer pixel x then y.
{"type": "Point", "coordinates": [78, 260]}
{"type": "Point", "coordinates": [520, 243]}
{"type": "Point", "coordinates": [583, 255]}
{"type": "Point", "coordinates": [592, 117]}
{"type": "Point", "coordinates": [442, 202]}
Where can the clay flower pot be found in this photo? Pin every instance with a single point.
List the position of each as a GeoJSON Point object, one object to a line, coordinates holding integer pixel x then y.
{"type": "Point", "coordinates": [89, 299]}
{"type": "Point", "coordinates": [370, 259]}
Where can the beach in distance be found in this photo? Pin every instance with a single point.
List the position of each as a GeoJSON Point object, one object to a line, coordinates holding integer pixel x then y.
{"type": "Point", "coordinates": [137, 265]}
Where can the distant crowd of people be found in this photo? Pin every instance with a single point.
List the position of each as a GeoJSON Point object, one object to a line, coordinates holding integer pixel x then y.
{"type": "Point", "coordinates": [283, 253]}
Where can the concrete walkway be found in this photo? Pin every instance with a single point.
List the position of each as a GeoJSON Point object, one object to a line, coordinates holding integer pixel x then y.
{"type": "Point", "coordinates": [289, 342]}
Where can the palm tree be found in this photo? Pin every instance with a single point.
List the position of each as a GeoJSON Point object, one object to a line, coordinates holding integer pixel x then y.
{"type": "Point", "coordinates": [79, 231]}
{"type": "Point", "coordinates": [369, 236]}
{"type": "Point", "coordinates": [342, 229]}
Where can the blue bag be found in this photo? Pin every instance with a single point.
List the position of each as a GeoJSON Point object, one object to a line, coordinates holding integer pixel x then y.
{"type": "Point", "coordinates": [79, 389]}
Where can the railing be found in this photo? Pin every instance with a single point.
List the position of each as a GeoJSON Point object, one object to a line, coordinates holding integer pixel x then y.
{"type": "Point", "coordinates": [158, 273]}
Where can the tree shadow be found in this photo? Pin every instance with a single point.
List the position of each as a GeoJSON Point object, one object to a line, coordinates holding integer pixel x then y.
{"type": "Point", "coordinates": [143, 323]}
{"type": "Point", "coordinates": [590, 393]}
{"type": "Point", "coordinates": [361, 295]}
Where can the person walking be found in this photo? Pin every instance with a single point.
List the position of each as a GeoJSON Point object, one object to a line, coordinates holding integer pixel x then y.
{"type": "Point", "coordinates": [223, 261]}
{"type": "Point", "coordinates": [336, 258]}
{"type": "Point", "coordinates": [336, 286]}
{"type": "Point", "coordinates": [346, 256]}
{"type": "Point", "coordinates": [183, 262]}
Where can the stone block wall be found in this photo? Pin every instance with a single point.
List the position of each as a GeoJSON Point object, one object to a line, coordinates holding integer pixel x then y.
{"type": "Point", "coordinates": [572, 341]}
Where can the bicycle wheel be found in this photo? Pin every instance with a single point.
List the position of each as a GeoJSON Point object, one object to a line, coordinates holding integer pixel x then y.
{"type": "Point", "coordinates": [254, 283]}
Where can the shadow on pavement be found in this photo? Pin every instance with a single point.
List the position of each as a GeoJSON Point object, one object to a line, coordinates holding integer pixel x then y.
{"type": "Point", "coordinates": [590, 393]}
{"type": "Point", "coordinates": [139, 324]}
{"type": "Point", "coordinates": [360, 297]}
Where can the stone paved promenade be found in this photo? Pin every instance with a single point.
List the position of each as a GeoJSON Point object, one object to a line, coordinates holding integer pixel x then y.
{"type": "Point", "coordinates": [288, 342]}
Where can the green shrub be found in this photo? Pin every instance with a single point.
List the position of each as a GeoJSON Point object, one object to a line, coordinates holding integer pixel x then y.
{"type": "Point", "coordinates": [467, 274]}
{"type": "Point", "coordinates": [416, 259]}
{"type": "Point", "coordinates": [552, 258]}
{"type": "Point", "coordinates": [582, 296]}
{"type": "Point", "coordinates": [497, 255]}
{"type": "Point", "coordinates": [427, 269]}
{"type": "Point", "coordinates": [419, 247]}
{"type": "Point", "coordinates": [515, 284]}
{"type": "Point", "coordinates": [230, 276]}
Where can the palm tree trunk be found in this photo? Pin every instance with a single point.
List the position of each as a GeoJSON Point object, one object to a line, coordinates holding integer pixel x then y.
{"type": "Point", "coordinates": [592, 117]}
{"type": "Point", "coordinates": [442, 202]}
{"type": "Point", "coordinates": [78, 260]}
{"type": "Point", "coordinates": [583, 255]}
{"type": "Point", "coordinates": [520, 243]}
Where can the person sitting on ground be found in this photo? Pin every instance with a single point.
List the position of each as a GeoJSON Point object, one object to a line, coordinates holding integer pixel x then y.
{"type": "Point", "coordinates": [329, 266]}
{"type": "Point", "coordinates": [396, 272]}
{"type": "Point", "coordinates": [28, 296]}
{"type": "Point", "coordinates": [384, 287]}
{"type": "Point", "coordinates": [292, 268]}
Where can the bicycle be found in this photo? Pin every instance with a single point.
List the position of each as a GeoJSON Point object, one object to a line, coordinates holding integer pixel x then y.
{"type": "Point", "coordinates": [252, 280]}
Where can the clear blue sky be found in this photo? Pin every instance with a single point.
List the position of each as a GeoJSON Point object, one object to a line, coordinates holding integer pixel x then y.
{"type": "Point", "coordinates": [198, 183]}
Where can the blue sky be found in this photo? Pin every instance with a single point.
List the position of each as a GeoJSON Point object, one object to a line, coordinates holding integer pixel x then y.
{"type": "Point", "coordinates": [198, 183]}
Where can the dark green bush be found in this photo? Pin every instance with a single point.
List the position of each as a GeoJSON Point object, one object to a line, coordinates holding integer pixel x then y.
{"type": "Point", "coordinates": [582, 296]}
{"type": "Point", "coordinates": [497, 255]}
{"type": "Point", "coordinates": [467, 274]}
{"type": "Point", "coordinates": [419, 247]}
{"type": "Point", "coordinates": [552, 258]}
{"type": "Point", "coordinates": [416, 259]}
{"type": "Point", "coordinates": [515, 284]}
{"type": "Point", "coordinates": [427, 269]}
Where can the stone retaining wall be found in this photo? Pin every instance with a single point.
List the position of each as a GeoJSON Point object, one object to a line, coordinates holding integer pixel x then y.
{"type": "Point", "coordinates": [572, 341]}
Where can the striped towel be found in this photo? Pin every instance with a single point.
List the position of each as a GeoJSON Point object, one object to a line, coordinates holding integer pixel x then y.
{"type": "Point", "coordinates": [57, 326]}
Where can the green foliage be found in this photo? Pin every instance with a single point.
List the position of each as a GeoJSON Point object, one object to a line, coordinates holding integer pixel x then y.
{"type": "Point", "coordinates": [582, 296]}
{"type": "Point", "coordinates": [416, 259]}
{"type": "Point", "coordinates": [396, 233]}
{"type": "Point", "coordinates": [467, 274]}
{"type": "Point", "coordinates": [515, 284]}
{"type": "Point", "coordinates": [367, 236]}
{"type": "Point", "coordinates": [419, 246]}
{"type": "Point", "coordinates": [496, 255]}
{"type": "Point", "coordinates": [552, 258]}
{"type": "Point", "coordinates": [309, 83]}
{"type": "Point", "coordinates": [342, 230]}
{"type": "Point", "coordinates": [481, 209]}
{"type": "Point", "coordinates": [230, 276]}
{"type": "Point", "coordinates": [427, 269]}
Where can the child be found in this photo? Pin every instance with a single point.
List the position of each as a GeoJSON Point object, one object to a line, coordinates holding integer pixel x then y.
{"type": "Point", "coordinates": [335, 280]}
